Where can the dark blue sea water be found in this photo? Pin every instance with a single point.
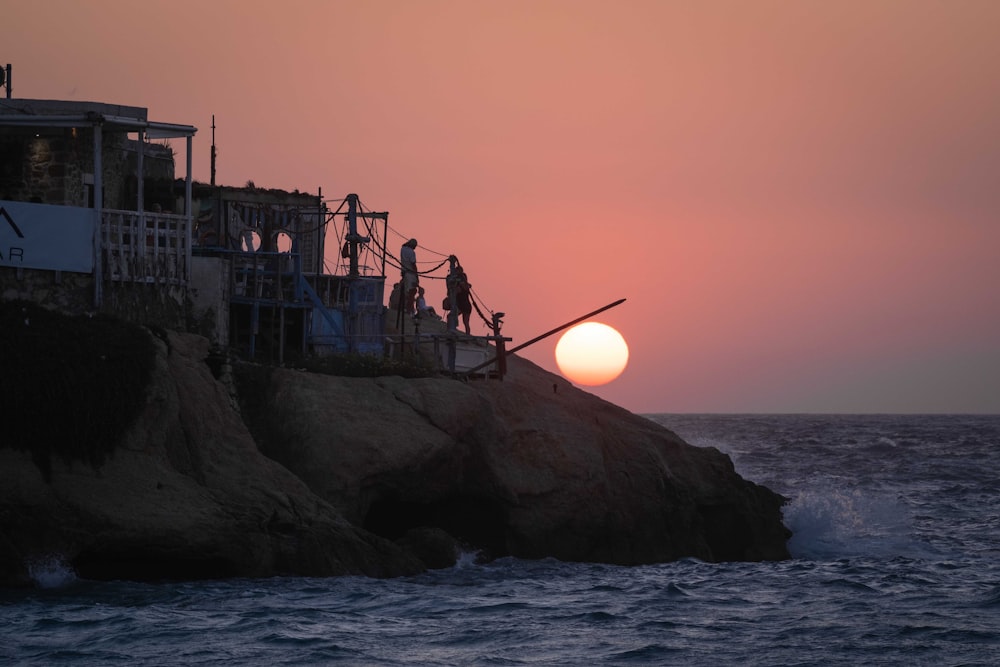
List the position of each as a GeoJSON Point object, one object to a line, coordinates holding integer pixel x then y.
{"type": "Point", "coordinates": [897, 562]}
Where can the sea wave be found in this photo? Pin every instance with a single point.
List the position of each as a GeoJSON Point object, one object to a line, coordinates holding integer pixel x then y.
{"type": "Point", "coordinates": [895, 551]}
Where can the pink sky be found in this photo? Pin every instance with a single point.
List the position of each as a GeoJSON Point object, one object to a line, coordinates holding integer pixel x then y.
{"type": "Point", "coordinates": [800, 200]}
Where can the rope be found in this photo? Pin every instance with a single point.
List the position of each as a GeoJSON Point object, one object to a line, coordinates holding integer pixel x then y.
{"type": "Point", "coordinates": [326, 219]}
{"type": "Point", "coordinates": [473, 292]}
{"type": "Point", "coordinates": [488, 323]}
{"type": "Point", "coordinates": [402, 236]}
{"type": "Point", "coordinates": [424, 273]}
{"type": "Point", "coordinates": [394, 262]}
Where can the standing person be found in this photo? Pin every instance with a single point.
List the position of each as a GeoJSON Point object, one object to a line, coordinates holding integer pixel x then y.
{"type": "Point", "coordinates": [408, 266]}
{"type": "Point", "coordinates": [463, 297]}
{"type": "Point", "coordinates": [394, 297]}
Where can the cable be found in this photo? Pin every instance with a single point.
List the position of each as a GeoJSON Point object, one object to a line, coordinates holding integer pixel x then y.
{"type": "Point", "coordinates": [393, 261]}
{"type": "Point", "coordinates": [424, 273]}
{"type": "Point", "coordinates": [402, 236]}
{"type": "Point", "coordinates": [476, 294]}
{"type": "Point", "coordinates": [434, 252]}
{"type": "Point", "coordinates": [488, 323]}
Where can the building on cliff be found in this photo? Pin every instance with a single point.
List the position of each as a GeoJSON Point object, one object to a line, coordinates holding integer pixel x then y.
{"type": "Point", "coordinates": [261, 258]}
{"type": "Point", "coordinates": [93, 218]}
{"type": "Point", "coordinates": [75, 218]}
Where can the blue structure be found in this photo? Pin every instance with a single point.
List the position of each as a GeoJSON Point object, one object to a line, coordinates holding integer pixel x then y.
{"type": "Point", "coordinates": [283, 300]}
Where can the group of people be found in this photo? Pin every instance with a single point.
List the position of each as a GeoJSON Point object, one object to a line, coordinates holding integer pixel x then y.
{"type": "Point", "coordinates": [408, 295]}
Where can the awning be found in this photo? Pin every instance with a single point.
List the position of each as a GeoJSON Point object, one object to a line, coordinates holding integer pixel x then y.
{"type": "Point", "coordinates": [154, 130]}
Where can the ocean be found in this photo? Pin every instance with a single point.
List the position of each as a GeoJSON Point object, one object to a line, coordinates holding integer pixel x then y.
{"type": "Point", "coordinates": [896, 562]}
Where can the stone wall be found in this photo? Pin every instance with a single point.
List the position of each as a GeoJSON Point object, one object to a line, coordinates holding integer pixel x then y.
{"type": "Point", "coordinates": [56, 165]}
{"type": "Point", "coordinates": [12, 166]}
{"type": "Point", "coordinates": [164, 306]}
{"type": "Point", "coordinates": [63, 291]}
{"type": "Point", "coordinates": [210, 299]}
{"type": "Point", "coordinates": [71, 293]}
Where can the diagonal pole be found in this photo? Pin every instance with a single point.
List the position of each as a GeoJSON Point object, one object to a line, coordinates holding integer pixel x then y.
{"type": "Point", "coordinates": [546, 335]}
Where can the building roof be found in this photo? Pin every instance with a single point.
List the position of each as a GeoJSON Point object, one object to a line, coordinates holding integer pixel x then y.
{"type": "Point", "coordinates": [61, 113]}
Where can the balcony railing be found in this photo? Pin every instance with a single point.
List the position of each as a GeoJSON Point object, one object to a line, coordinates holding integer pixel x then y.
{"type": "Point", "coordinates": [145, 247]}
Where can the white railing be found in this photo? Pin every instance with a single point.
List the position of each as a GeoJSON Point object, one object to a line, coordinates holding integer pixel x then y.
{"type": "Point", "coordinates": [145, 247]}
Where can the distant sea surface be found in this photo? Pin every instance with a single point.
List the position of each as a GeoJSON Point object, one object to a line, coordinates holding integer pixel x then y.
{"type": "Point", "coordinates": [896, 562]}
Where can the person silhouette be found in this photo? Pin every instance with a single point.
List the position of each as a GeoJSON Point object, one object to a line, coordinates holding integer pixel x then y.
{"type": "Point", "coordinates": [408, 268]}
{"type": "Point", "coordinates": [422, 307]}
{"type": "Point", "coordinates": [463, 297]}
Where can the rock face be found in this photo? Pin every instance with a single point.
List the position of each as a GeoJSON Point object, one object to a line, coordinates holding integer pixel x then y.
{"type": "Point", "coordinates": [187, 496]}
{"type": "Point", "coordinates": [527, 467]}
{"type": "Point", "coordinates": [380, 477]}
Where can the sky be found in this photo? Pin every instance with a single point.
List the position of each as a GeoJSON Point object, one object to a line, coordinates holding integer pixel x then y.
{"type": "Point", "coordinates": [799, 200]}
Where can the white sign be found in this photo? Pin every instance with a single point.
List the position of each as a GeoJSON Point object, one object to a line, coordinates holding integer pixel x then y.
{"type": "Point", "coordinates": [40, 236]}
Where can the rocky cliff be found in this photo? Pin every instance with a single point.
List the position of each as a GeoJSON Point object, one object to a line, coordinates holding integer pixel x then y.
{"type": "Point", "coordinates": [527, 467]}
{"type": "Point", "coordinates": [323, 475]}
{"type": "Point", "coordinates": [185, 495]}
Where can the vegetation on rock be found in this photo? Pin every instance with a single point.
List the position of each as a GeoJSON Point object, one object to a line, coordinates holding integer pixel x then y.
{"type": "Point", "coordinates": [367, 365]}
{"type": "Point", "coordinates": [71, 386]}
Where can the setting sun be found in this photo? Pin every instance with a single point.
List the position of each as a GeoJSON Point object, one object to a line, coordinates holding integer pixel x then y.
{"type": "Point", "coordinates": [591, 354]}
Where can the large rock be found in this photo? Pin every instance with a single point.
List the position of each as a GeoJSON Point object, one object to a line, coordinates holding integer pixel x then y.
{"type": "Point", "coordinates": [528, 467]}
{"type": "Point", "coordinates": [381, 477]}
{"type": "Point", "coordinates": [187, 495]}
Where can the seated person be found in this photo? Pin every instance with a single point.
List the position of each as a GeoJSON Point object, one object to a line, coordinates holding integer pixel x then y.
{"type": "Point", "coordinates": [423, 310]}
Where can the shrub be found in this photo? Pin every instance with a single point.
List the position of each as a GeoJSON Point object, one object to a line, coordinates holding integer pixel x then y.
{"type": "Point", "coordinates": [366, 365]}
{"type": "Point", "coordinates": [70, 386]}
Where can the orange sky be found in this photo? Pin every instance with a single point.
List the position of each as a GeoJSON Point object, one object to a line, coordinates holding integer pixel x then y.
{"type": "Point", "coordinates": [800, 200]}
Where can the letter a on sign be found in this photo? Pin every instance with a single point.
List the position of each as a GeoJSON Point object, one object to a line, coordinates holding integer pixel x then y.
{"type": "Point", "coordinates": [10, 221]}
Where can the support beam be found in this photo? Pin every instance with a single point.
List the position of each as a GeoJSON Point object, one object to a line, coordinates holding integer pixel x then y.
{"type": "Point", "coordinates": [98, 212]}
{"type": "Point", "coordinates": [190, 215]}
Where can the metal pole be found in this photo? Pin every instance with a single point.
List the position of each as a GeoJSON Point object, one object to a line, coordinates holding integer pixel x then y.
{"type": "Point", "coordinates": [98, 213]}
{"type": "Point", "coordinates": [352, 233]}
{"type": "Point", "coordinates": [281, 333]}
{"type": "Point", "coordinates": [212, 182]}
{"type": "Point", "coordinates": [500, 343]}
{"type": "Point", "coordinates": [188, 211]}
{"type": "Point", "coordinates": [254, 326]}
{"type": "Point", "coordinates": [352, 276]}
{"type": "Point", "coordinates": [140, 155]}
{"type": "Point", "coordinates": [385, 239]}
{"type": "Point", "coordinates": [451, 284]}
{"type": "Point", "coordinates": [320, 247]}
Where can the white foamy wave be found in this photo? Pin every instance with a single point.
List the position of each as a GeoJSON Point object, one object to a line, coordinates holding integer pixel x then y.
{"type": "Point", "coordinates": [467, 559]}
{"type": "Point", "coordinates": [51, 572]}
{"type": "Point", "coordinates": [835, 522]}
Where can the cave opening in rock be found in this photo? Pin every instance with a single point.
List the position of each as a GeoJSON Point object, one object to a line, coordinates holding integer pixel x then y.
{"type": "Point", "coordinates": [475, 522]}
